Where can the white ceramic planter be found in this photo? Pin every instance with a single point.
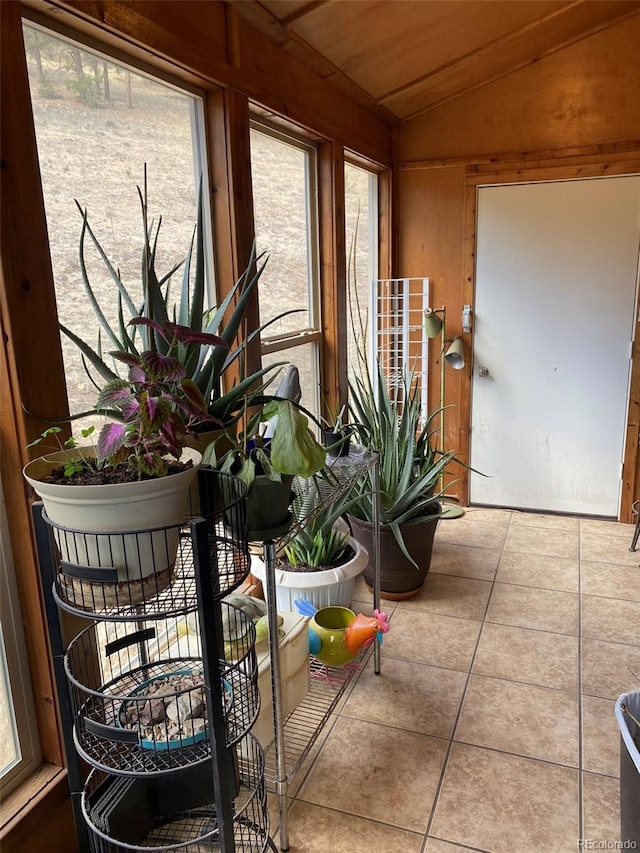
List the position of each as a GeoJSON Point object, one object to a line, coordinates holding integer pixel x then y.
{"type": "Point", "coordinates": [322, 589]}
{"type": "Point", "coordinates": [93, 515]}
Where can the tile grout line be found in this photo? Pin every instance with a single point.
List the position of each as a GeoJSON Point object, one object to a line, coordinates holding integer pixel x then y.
{"type": "Point", "coordinates": [462, 698]}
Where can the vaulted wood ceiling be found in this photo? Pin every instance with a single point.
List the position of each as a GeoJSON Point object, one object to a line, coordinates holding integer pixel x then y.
{"type": "Point", "coordinates": [405, 57]}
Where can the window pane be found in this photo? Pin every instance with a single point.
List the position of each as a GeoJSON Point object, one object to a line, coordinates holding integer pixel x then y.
{"type": "Point", "coordinates": [305, 358]}
{"type": "Point", "coordinates": [361, 245]}
{"type": "Point", "coordinates": [19, 746]}
{"type": "Point", "coordinates": [97, 124]}
{"type": "Point", "coordinates": [280, 175]}
{"type": "Point", "coordinates": [9, 744]}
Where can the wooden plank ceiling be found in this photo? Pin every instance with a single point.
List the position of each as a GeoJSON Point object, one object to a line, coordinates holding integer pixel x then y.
{"type": "Point", "coordinates": [405, 57]}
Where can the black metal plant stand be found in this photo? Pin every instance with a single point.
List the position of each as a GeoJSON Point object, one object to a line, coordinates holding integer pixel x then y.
{"type": "Point", "coordinates": [151, 697]}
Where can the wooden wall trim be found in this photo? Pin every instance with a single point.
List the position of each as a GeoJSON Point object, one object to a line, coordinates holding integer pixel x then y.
{"type": "Point", "coordinates": [585, 167]}
{"type": "Point", "coordinates": [389, 219]}
{"type": "Point", "coordinates": [553, 171]}
{"type": "Point", "coordinates": [229, 155]}
{"type": "Point", "coordinates": [46, 821]}
{"type": "Point", "coordinates": [608, 150]}
{"type": "Point", "coordinates": [631, 460]}
{"type": "Point", "coordinates": [333, 275]}
{"type": "Point", "coordinates": [177, 38]}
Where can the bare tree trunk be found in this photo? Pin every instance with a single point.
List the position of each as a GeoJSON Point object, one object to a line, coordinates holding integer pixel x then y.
{"type": "Point", "coordinates": [127, 88]}
{"type": "Point", "coordinates": [77, 62]}
{"type": "Point", "coordinates": [105, 77]}
{"type": "Point", "coordinates": [38, 59]}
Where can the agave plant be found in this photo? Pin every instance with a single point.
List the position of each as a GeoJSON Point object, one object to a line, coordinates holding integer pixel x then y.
{"type": "Point", "coordinates": [410, 467]}
{"type": "Point", "coordinates": [317, 549]}
{"type": "Point", "coordinates": [205, 363]}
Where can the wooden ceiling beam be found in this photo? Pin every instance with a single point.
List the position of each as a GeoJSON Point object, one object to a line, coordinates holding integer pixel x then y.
{"type": "Point", "coordinates": [475, 55]}
{"type": "Point", "coordinates": [302, 12]}
{"type": "Point", "coordinates": [278, 31]}
{"type": "Point", "coordinates": [500, 58]}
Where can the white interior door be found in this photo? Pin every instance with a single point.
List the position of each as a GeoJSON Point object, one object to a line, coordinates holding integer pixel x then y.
{"type": "Point", "coordinates": [556, 274]}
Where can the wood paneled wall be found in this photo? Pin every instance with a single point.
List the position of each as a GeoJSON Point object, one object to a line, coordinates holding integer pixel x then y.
{"type": "Point", "coordinates": [574, 113]}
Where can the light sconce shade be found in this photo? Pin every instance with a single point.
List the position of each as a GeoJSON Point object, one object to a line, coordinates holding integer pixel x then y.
{"type": "Point", "coordinates": [432, 323]}
{"type": "Point", "coordinates": [454, 356]}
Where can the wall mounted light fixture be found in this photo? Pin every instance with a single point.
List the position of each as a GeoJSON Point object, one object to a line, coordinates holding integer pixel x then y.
{"type": "Point", "coordinates": [454, 356]}
{"type": "Point", "coordinates": [435, 323]}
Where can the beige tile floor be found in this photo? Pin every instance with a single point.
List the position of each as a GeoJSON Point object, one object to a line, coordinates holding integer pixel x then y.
{"type": "Point", "coordinates": [491, 727]}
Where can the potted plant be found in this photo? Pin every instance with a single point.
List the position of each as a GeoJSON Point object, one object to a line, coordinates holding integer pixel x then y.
{"type": "Point", "coordinates": [136, 478]}
{"type": "Point", "coordinates": [628, 717]}
{"type": "Point", "coordinates": [336, 434]}
{"type": "Point", "coordinates": [321, 560]}
{"type": "Point", "coordinates": [410, 471]}
{"type": "Point", "coordinates": [268, 465]}
{"type": "Point", "coordinates": [205, 359]}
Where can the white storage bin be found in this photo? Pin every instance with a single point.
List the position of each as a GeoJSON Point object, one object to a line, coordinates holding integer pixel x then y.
{"type": "Point", "coordinates": [294, 674]}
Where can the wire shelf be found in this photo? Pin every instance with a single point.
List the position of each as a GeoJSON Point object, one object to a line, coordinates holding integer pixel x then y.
{"type": "Point", "coordinates": [304, 725]}
{"type": "Point", "coordinates": [147, 573]}
{"type": "Point", "coordinates": [112, 708]}
{"type": "Point", "coordinates": [163, 823]}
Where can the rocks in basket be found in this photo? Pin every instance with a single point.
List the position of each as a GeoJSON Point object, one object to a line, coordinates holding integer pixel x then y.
{"type": "Point", "coordinates": [169, 710]}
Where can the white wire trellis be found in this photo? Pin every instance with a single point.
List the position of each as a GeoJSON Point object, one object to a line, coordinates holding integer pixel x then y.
{"type": "Point", "coordinates": [398, 342]}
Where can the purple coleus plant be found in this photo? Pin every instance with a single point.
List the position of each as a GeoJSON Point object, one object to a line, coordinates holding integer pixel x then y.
{"type": "Point", "coordinates": [159, 406]}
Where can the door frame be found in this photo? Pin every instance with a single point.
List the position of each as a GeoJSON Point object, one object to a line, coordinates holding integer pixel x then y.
{"type": "Point", "coordinates": [571, 168]}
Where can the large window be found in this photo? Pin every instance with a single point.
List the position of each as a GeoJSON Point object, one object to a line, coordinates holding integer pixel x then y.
{"type": "Point", "coordinates": [285, 209]}
{"type": "Point", "coordinates": [19, 749]}
{"type": "Point", "coordinates": [361, 224]}
{"type": "Point", "coordinates": [98, 122]}
{"type": "Point", "coordinates": [99, 126]}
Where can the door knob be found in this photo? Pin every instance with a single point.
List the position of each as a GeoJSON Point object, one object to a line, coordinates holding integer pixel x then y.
{"type": "Point", "coordinates": [483, 371]}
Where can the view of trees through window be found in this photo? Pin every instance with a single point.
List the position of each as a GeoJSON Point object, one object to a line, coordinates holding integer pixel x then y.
{"type": "Point", "coordinates": [284, 197]}
{"type": "Point", "coordinates": [97, 124]}
{"type": "Point", "coordinates": [360, 205]}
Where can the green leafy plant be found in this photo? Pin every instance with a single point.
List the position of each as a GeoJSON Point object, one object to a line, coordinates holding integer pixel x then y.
{"type": "Point", "coordinates": [292, 450]}
{"type": "Point", "coordinates": [80, 461]}
{"type": "Point", "coordinates": [317, 547]}
{"type": "Point", "coordinates": [410, 467]}
{"type": "Point", "coordinates": [205, 362]}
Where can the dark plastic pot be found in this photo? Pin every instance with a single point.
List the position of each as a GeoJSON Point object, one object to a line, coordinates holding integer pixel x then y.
{"type": "Point", "coordinates": [337, 441]}
{"type": "Point", "coordinates": [268, 504]}
{"type": "Point", "coordinates": [399, 577]}
{"type": "Point", "coordinates": [629, 769]}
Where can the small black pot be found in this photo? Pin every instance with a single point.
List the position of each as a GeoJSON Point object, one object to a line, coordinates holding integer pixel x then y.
{"type": "Point", "coordinates": [268, 504]}
{"type": "Point", "coordinates": [337, 441]}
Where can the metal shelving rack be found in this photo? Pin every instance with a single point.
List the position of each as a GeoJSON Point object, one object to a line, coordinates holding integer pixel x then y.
{"type": "Point", "coordinates": [295, 737]}
{"type": "Point", "coordinates": [203, 793]}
